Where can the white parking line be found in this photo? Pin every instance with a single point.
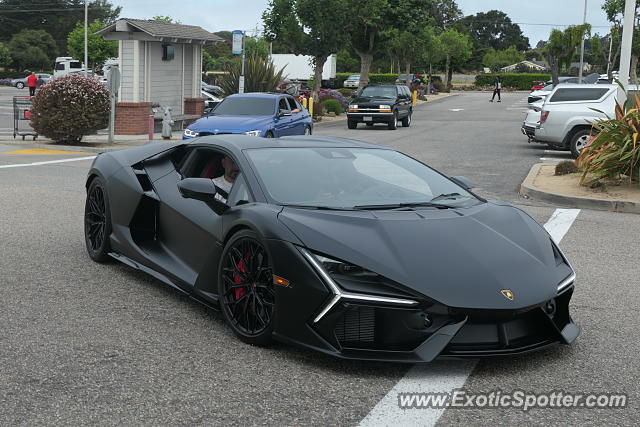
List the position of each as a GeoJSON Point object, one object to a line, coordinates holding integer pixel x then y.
{"type": "Point", "coordinates": [48, 162]}
{"type": "Point", "coordinates": [442, 376]}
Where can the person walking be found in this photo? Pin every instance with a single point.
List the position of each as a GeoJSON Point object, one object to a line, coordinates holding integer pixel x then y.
{"type": "Point", "coordinates": [32, 82]}
{"type": "Point", "coordinates": [496, 89]}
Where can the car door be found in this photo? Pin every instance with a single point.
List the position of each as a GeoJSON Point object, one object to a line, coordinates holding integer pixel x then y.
{"type": "Point", "coordinates": [297, 117]}
{"type": "Point", "coordinates": [403, 101]}
{"type": "Point", "coordinates": [189, 230]}
{"type": "Point", "coordinates": [283, 119]}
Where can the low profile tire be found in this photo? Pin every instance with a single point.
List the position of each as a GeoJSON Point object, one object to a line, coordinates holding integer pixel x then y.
{"type": "Point", "coordinates": [406, 122]}
{"type": "Point", "coordinates": [20, 85]}
{"type": "Point", "coordinates": [393, 124]}
{"type": "Point", "coordinates": [97, 221]}
{"type": "Point", "coordinates": [579, 141]}
{"type": "Point", "coordinates": [352, 124]}
{"type": "Point", "coordinates": [246, 290]}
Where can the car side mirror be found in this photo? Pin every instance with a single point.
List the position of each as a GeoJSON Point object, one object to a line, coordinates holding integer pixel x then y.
{"type": "Point", "coordinates": [283, 113]}
{"type": "Point", "coordinates": [202, 189]}
{"type": "Point", "coordinates": [463, 182]}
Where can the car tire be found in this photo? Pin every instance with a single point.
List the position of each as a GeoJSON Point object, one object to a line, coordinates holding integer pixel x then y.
{"type": "Point", "coordinates": [406, 122]}
{"type": "Point", "coordinates": [579, 141]}
{"type": "Point", "coordinates": [20, 85]}
{"type": "Point", "coordinates": [307, 130]}
{"type": "Point", "coordinates": [351, 124]}
{"type": "Point", "coordinates": [393, 124]}
{"type": "Point", "coordinates": [247, 298]}
{"type": "Point", "coordinates": [97, 221]}
{"type": "Point", "coordinates": [269, 134]}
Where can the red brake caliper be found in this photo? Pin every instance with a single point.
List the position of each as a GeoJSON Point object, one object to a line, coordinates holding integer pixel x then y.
{"type": "Point", "coordinates": [239, 292]}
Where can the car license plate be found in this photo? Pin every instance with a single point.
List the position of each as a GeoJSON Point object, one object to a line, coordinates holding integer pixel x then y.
{"type": "Point", "coordinates": [367, 119]}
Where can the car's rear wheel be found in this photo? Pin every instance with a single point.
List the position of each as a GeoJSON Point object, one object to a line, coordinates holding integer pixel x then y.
{"type": "Point", "coordinates": [97, 221]}
{"type": "Point", "coordinates": [406, 122]}
{"type": "Point", "coordinates": [269, 134]}
{"type": "Point", "coordinates": [20, 85]}
{"type": "Point", "coordinates": [246, 290]}
{"type": "Point", "coordinates": [307, 131]}
{"type": "Point", "coordinates": [579, 141]}
{"type": "Point", "coordinates": [393, 123]}
{"type": "Point", "coordinates": [352, 124]}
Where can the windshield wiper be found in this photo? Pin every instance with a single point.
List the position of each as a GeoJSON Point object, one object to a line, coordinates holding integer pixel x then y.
{"type": "Point", "coordinates": [393, 206]}
{"type": "Point", "coordinates": [320, 208]}
{"type": "Point", "coordinates": [449, 196]}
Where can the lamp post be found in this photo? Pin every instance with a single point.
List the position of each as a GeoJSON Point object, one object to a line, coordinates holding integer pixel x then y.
{"type": "Point", "coordinates": [625, 51]}
{"type": "Point", "coordinates": [584, 21]}
{"type": "Point", "coordinates": [86, 38]}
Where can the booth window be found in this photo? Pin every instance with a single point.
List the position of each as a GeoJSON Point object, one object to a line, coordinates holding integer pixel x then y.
{"type": "Point", "coordinates": [168, 52]}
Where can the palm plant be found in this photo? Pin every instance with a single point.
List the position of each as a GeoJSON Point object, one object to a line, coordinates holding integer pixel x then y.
{"type": "Point", "coordinates": [260, 75]}
{"type": "Point", "coordinates": [614, 149]}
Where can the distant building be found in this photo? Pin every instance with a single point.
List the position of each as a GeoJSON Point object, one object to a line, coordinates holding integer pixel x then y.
{"type": "Point", "coordinates": [542, 66]}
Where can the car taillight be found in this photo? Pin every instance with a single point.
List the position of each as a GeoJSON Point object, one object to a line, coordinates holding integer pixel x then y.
{"type": "Point", "coordinates": [544, 116]}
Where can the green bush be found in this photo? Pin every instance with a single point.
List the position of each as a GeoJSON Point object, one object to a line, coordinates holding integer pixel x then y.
{"type": "Point", "coordinates": [67, 108]}
{"type": "Point", "coordinates": [373, 78]}
{"type": "Point", "coordinates": [346, 92]}
{"type": "Point", "coordinates": [520, 81]}
{"type": "Point", "coordinates": [332, 106]}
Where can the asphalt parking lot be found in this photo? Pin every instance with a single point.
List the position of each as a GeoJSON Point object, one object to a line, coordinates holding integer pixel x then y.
{"type": "Point", "coordinates": [83, 343]}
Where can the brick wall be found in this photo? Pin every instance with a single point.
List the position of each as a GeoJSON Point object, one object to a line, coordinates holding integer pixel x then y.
{"type": "Point", "coordinates": [193, 106]}
{"type": "Point", "coordinates": [132, 118]}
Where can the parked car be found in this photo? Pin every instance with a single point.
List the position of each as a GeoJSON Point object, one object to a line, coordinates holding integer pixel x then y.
{"type": "Point", "coordinates": [532, 120]}
{"type": "Point", "coordinates": [212, 89]}
{"type": "Point", "coordinates": [353, 81]}
{"type": "Point", "coordinates": [567, 113]}
{"type": "Point", "coordinates": [382, 103]}
{"type": "Point", "coordinates": [268, 115]}
{"type": "Point", "coordinates": [402, 78]}
{"type": "Point", "coordinates": [537, 85]}
{"type": "Point", "coordinates": [210, 101]}
{"type": "Point", "coordinates": [22, 83]}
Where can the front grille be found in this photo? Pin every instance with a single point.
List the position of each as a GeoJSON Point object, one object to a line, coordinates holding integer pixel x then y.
{"type": "Point", "coordinates": [357, 325]}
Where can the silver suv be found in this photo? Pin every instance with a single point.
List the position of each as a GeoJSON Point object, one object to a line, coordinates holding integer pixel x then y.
{"type": "Point", "coordinates": [568, 111]}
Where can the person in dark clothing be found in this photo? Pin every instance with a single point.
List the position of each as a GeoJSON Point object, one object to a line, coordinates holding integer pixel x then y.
{"type": "Point", "coordinates": [32, 82]}
{"type": "Point", "coordinates": [496, 89]}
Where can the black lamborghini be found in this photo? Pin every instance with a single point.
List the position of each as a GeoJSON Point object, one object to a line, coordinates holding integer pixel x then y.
{"type": "Point", "coordinates": [341, 246]}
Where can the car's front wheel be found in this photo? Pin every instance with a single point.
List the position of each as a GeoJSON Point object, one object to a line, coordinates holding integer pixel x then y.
{"type": "Point", "coordinates": [245, 288]}
{"type": "Point", "coordinates": [307, 130]}
{"type": "Point", "coordinates": [352, 124]}
{"type": "Point", "coordinates": [97, 221]}
{"type": "Point", "coordinates": [20, 85]}
{"type": "Point", "coordinates": [579, 141]}
{"type": "Point", "coordinates": [406, 122]}
{"type": "Point", "coordinates": [393, 123]}
{"type": "Point", "coordinates": [269, 134]}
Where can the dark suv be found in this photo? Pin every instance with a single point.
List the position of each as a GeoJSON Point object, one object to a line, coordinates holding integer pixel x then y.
{"type": "Point", "coordinates": [388, 103]}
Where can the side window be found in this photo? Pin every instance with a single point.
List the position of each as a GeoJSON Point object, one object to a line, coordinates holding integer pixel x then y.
{"type": "Point", "coordinates": [202, 163]}
{"type": "Point", "coordinates": [283, 104]}
{"type": "Point", "coordinates": [578, 94]}
{"type": "Point", "coordinates": [292, 103]}
{"type": "Point", "coordinates": [239, 193]}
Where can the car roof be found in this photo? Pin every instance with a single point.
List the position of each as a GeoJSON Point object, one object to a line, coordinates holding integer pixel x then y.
{"type": "Point", "coordinates": [256, 95]}
{"type": "Point", "coordinates": [242, 142]}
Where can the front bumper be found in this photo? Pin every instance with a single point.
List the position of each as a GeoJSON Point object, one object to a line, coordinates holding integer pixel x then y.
{"type": "Point", "coordinates": [370, 117]}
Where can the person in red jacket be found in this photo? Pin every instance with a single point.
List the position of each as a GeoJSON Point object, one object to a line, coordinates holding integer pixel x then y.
{"type": "Point", "coordinates": [32, 82]}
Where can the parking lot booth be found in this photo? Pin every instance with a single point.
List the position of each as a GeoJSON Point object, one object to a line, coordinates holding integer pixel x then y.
{"type": "Point", "coordinates": [160, 64]}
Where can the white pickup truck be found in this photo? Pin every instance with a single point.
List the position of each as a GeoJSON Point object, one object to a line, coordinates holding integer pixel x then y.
{"type": "Point", "coordinates": [567, 114]}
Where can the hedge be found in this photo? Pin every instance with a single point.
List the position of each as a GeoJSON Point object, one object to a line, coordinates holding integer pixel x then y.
{"type": "Point", "coordinates": [373, 78]}
{"type": "Point", "coordinates": [520, 81]}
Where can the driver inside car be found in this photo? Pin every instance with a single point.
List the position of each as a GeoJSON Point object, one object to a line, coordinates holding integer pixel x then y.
{"type": "Point", "coordinates": [224, 182]}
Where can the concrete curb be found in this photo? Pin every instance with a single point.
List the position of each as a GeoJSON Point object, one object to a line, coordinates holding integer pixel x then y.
{"type": "Point", "coordinates": [90, 147]}
{"type": "Point", "coordinates": [528, 189]}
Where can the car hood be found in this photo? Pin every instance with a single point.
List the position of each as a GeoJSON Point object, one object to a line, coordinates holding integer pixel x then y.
{"type": "Point", "coordinates": [458, 257]}
{"type": "Point", "coordinates": [373, 101]}
{"type": "Point", "coordinates": [229, 124]}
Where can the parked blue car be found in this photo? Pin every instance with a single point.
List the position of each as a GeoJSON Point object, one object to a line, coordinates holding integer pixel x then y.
{"type": "Point", "coordinates": [269, 115]}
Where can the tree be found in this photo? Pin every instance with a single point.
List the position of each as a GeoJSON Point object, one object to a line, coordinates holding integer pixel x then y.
{"type": "Point", "coordinates": [99, 49]}
{"type": "Point", "coordinates": [260, 75]}
{"type": "Point", "coordinates": [56, 17]}
{"type": "Point", "coordinates": [455, 47]}
{"type": "Point", "coordinates": [614, 10]}
{"type": "Point", "coordinates": [309, 27]}
{"type": "Point", "coordinates": [165, 18]}
{"type": "Point", "coordinates": [208, 63]}
{"type": "Point", "coordinates": [32, 49]}
{"type": "Point", "coordinates": [346, 62]}
{"type": "Point", "coordinates": [492, 29]}
{"type": "Point", "coordinates": [256, 47]}
{"type": "Point", "coordinates": [561, 47]}
{"type": "Point", "coordinates": [5, 55]}
{"type": "Point", "coordinates": [445, 13]}
{"type": "Point", "coordinates": [496, 59]}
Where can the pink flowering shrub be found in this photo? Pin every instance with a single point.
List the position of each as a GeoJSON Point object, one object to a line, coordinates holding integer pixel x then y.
{"type": "Point", "coordinates": [67, 108]}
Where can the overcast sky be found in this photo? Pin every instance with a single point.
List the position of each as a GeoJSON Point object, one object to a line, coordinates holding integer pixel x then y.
{"type": "Point", "coordinates": [217, 15]}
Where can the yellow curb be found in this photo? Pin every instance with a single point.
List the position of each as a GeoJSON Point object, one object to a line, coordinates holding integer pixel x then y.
{"type": "Point", "coordinates": [45, 151]}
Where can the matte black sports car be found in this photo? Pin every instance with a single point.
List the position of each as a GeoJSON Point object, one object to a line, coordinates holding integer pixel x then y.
{"type": "Point", "coordinates": [348, 248]}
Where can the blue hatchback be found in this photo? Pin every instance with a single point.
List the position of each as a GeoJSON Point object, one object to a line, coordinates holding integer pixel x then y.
{"type": "Point", "coordinates": [269, 115]}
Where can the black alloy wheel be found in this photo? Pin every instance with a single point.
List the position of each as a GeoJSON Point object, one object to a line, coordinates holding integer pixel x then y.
{"type": "Point", "coordinates": [97, 222]}
{"type": "Point", "coordinates": [246, 291]}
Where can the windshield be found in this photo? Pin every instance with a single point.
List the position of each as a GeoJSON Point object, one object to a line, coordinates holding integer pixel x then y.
{"type": "Point", "coordinates": [348, 178]}
{"type": "Point", "coordinates": [246, 106]}
{"type": "Point", "coordinates": [379, 92]}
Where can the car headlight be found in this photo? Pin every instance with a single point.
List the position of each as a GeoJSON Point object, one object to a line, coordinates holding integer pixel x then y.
{"type": "Point", "coordinates": [340, 268]}
{"type": "Point", "coordinates": [353, 106]}
{"type": "Point", "coordinates": [189, 132]}
{"type": "Point", "coordinates": [385, 107]}
{"type": "Point", "coordinates": [253, 133]}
